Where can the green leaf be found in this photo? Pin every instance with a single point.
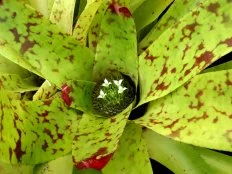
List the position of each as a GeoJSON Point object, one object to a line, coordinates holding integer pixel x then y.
{"type": "Point", "coordinates": [62, 14]}
{"type": "Point", "coordinates": [40, 6]}
{"type": "Point", "coordinates": [58, 166]}
{"type": "Point", "coordinates": [198, 113]}
{"type": "Point", "coordinates": [135, 4]}
{"type": "Point", "coordinates": [35, 131]}
{"type": "Point", "coordinates": [12, 82]}
{"type": "Point", "coordinates": [46, 91]}
{"type": "Point", "coordinates": [131, 155]}
{"type": "Point", "coordinates": [178, 157]}
{"type": "Point", "coordinates": [117, 46]}
{"type": "Point", "coordinates": [223, 66]}
{"type": "Point", "coordinates": [9, 67]}
{"type": "Point", "coordinates": [148, 11]}
{"type": "Point", "coordinates": [84, 21]}
{"type": "Point", "coordinates": [81, 95]}
{"type": "Point", "coordinates": [98, 136]}
{"type": "Point", "coordinates": [185, 49]}
{"type": "Point", "coordinates": [15, 169]}
{"type": "Point", "coordinates": [55, 55]}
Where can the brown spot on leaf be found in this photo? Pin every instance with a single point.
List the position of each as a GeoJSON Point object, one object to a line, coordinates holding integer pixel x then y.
{"type": "Point", "coordinates": [188, 30]}
{"type": "Point", "coordinates": [162, 86]}
{"type": "Point", "coordinates": [16, 34]}
{"type": "Point", "coordinates": [199, 103]}
{"type": "Point", "coordinates": [45, 146]}
{"type": "Point", "coordinates": [18, 149]}
{"type": "Point", "coordinates": [173, 70]}
{"type": "Point", "coordinates": [196, 119]}
{"type": "Point", "coordinates": [228, 135]}
{"type": "Point", "coordinates": [215, 120]}
{"type": "Point", "coordinates": [172, 124]}
{"type": "Point", "coordinates": [94, 43]}
{"type": "Point", "coordinates": [213, 8]}
{"type": "Point", "coordinates": [177, 132]}
{"type": "Point", "coordinates": [47, 102]}
{"type": "Point", "coordinates": [27, 45]}
{"type": "Point", "coordinates": [205, 57]}
{"type": "Point", "coordinates": [48, 132]}
{"type": "Point", "coordinates": [228, 42]}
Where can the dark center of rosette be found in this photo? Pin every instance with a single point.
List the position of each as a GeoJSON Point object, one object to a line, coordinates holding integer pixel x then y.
{"type": "Point", "coordinates": [113, 93]}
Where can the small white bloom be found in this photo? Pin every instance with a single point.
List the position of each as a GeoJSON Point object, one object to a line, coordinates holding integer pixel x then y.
{"type": "Point", "coordinates": [121, 89]}
{"type": "Point", "coordinates": [106, 83]}
{"type": "Point", "coordinates": [101, 95]}
{"type": "Point", "coordinates": [118, 82]}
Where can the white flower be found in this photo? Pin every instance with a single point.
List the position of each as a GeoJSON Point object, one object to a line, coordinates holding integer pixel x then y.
{"type": "Point", "coordinates": [121, 89]}
{"type": "Point", "coordinates": [101, 95]}
{"type": "Point", "coordinates": [118, 83]}
{"type": "Point", "coordinates": [106, 83]}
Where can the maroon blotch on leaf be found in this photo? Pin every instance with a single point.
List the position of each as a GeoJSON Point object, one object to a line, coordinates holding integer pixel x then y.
{"type": "Point", "coordinates": [65, 94]}
{"type": "Point", "coordinates": [117, 9]}
{"type": "Point", "coordinates": [94, 163]}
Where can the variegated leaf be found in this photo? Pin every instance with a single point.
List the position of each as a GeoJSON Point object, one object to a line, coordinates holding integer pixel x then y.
{"type": "Point", "coordinates": [98, 138]}
{"type": "Point", "coordinates": [6, 168]}
{"type": "Point", "coordinates": [35, 132]}
{"type": "Point", "coordinates": [131, 155]}
{"type": "Point", "coordinates": [198, 113]}
{"type": "Point", "coordinates": [62, 14]}
{"type": "Point", "coordinates": [84, 21]}
{"type": "Point", "coordinates": [185, 49]}
{"type": "Point", "coordinates": [57, 56]}
{"type": "Point", "coordinates": [117, 46]}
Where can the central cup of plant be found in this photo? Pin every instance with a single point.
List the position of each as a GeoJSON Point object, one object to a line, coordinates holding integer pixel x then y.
{"type": "Point", "coordinates": [113, 93]}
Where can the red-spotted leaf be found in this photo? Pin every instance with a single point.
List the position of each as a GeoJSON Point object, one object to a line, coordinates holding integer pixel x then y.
{"type": "Point", "coordinates": [27, 37]}
{"type": "Point", "coordinates": [185, 49]}
{"type": "Point", "coordinates": [33, 132]}
{"type": "Point", "coordinates": [97, 139]}
{"type": "Point", "coordinates": [198, 113]}
{"type": "Point", "coordinates": [117, 46]}
{"type": "Point", "coordinates": [131, 155]}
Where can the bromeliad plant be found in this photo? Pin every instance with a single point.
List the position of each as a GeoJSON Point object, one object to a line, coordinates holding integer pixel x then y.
{"type": "Point", "coordinates": [117, 56]}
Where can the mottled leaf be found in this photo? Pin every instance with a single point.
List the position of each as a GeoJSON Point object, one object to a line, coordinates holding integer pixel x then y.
{"type": "Point", "coordinates": [185, 49]}
{"type": "Point", "coordinates": [57, 56]}
{"type": "Point", "coordinates": [41, 6]}
{"type": "Point", "coordinates": [148, 11]}
{"type": "Point", "coordinates": [131, 155]}
{"type": "Point", "coordinates": [117, 46]}
{"type": "Point", "coordinates": [198, 113]}
{"type": "Point", "coordinates": [97, 138]}
{"type": "Point", "coordinates": [35, 132]}
{"type": "Point", "coordinates": [62, 14]}
{"type": "Point", "coordinates": [12, 82]}
{"type": "Point", "coordinates": [84, 21]}
{"type": "Point", "coordinates": [223, 66]}
{"type": "Point", "coordinates": [46, 91]}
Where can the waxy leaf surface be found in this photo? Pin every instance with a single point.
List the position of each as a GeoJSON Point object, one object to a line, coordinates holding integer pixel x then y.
{"type": "Point", "coordinates": [117, 46]}
{"type": "Point", "coordinates": [198, 113]}
{"type": "Point", "coordinates": [57, 56]}
{"type": "Point", "coordinates": [35, 132]}
{"type": "Point", "coordinates": [185, 49]}
{"type": "Point", "coordinates": [98, 137]}
{"type": "Point", "coordinates": [131, 155]}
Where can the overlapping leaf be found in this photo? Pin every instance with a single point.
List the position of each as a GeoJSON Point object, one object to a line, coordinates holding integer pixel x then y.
{"type": "Point", "coordinates": [35, 132]}
{"type": "Point", "coordinates": [6, 168]}
{"type": "Point", "coordinates": [84, 21]}
{"type": "Point", "coordinates": [62, 14]}
{"type": "Point", "coordinates": [98, 136]}
{"type": "Point", "coordinates": [148, 11]}
{"type": "Point", "coordinates": [198, 113]}
{"type": "Point", "coordinates": [131, 155]}
{"type": "Point", "coordinates": [54, 54]}
{"type": "Point", "coordinates": [185, 49]}
{"type": "Point", "coordinates": [116, 47]}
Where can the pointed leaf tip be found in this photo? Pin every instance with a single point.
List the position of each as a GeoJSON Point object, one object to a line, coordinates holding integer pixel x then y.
{"type": "Point", "coordinates": [94, 163]}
